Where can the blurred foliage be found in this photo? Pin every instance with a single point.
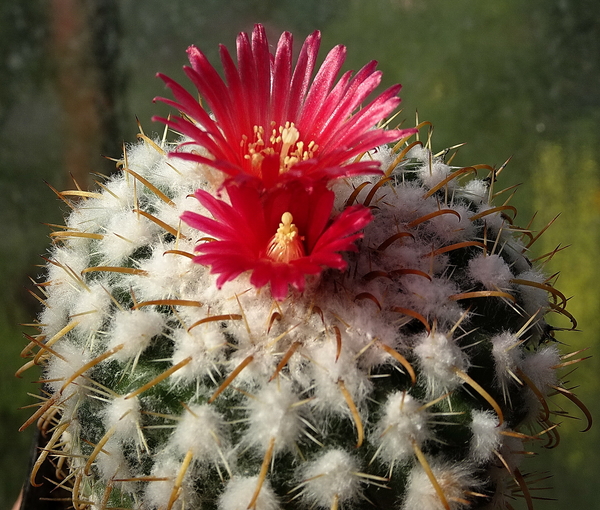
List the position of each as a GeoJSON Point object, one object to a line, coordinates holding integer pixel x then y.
{"type": "Point", "coordinates": [511, 78]}
{"type": "Point", "coordinates": [566, 178]}
{"type": "Point", "coordinates": [21, 50]}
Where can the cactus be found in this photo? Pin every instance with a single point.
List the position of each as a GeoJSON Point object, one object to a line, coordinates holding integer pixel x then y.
{"type": "Point", "coordinates": [361, 326]}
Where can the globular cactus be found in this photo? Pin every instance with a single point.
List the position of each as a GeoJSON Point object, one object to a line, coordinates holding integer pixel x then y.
{"type": "Point", "coordinates": [361, 326]}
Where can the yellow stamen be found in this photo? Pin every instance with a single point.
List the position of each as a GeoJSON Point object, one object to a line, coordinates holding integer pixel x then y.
{"type": "Point", "coordinates": [284, 140]}
{"type": "Point", "coordinates": [286, 245]}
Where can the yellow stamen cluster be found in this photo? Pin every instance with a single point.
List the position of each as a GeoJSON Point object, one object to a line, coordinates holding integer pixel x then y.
{"type": "Point", "coordinates": [286, 245]}
{"type": "Point", "coordinates": [284, 140]}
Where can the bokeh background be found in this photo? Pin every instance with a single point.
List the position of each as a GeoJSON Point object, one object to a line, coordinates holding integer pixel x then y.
{"type": "Point", "coordinates": [511, 78]}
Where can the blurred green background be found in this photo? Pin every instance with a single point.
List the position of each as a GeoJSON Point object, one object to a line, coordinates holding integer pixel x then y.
{"type": "Point", "coordinates": [510, 78]}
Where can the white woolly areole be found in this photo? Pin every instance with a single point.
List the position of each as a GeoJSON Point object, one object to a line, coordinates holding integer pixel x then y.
{"type": "Point", "coordinates": [64, 274]}
{"type": "Point", "coordinates": [201, 431]}
{"type": "Point", "coordinates": [158, 492]}
{"type": "Point", "coordinates": [64, 289]}
{"type": "Point", "coordinates": [169, 275]}
{"type": "Point", "coordinates": [331, 476]}
{"type": "Point", "coordinates": [124, 415]}
{"type": "Point", "coordinates": [327, 373]}
{"type": "Point", "coordinates": [126, 232]}
{"type": "Point", "coordinates": [402, 424]}
{"type": "Point", "coordinates": [431, 298]}
{"type": "Point", "coordinates": [170, 213]}
{"type": "Point", "coordinates": [507, 353]}
{"type": "Point", "coordinates": [433, 174]}
{"type": "Point", "coordinates": [90, 309]}
{"type": "Point", "coordinates": [142, 158]}
{"type": "Point", "coordinates": [121, 196]}
{"type": "Point", "coordinates": [204, 345]}
{"type": "Point", "coordinates": [451, 228]}
{"type": "Point", "coordinates": [384, 154]}
{"type": "Point", "coordinates": [239, 492]}
{"type": "Point", "coordinates": [111, 462]}
{"type": "Point", "coordinates": [173, 172]}
{"type": "Point", "coordinates": [273, 415]}
{"type": "Point", "coordinates": [440, 358]}
{"type": "Point", "coordinates": [491, 271]}
{"type": "Point", "coordinates": [534, 298]}
{"type": "Point", "coordinates": [487, 437]}
{"type": "Point", "coordinates": [538, 366]}
{"type": "Point", "coordinates": [71, 358]}
{"type": "Point", "coordinates": [134, 329]}
{"type": "Point", "coordinates": [476, 190]}
{"type": "Point", "coordinates": [420, 153]}
{"type": "Point", "coordinates": [52, 320]}
{"type": "Point", "coordinates": [454, 480]}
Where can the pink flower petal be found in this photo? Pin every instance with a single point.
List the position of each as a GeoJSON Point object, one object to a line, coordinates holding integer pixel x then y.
{"type": "Point", "coordinates": [265, 94]}
{"type": "Point", "coordinates": [244, 228]}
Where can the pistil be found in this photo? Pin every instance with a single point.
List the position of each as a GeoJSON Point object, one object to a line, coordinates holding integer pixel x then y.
{"type": "Point", "coordinates": [286, 245]}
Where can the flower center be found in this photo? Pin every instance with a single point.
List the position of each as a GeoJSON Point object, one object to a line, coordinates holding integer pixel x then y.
{"type": "Point", "coordinates": [286, 245]}
{"type": "Point", "coordinates": [284, 141]}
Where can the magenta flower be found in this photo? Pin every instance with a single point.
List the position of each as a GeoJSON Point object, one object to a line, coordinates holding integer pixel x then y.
{"type": "Point", "coordinates": [280, 235]}
{"type": "Point", "coordinates": [271, 122]}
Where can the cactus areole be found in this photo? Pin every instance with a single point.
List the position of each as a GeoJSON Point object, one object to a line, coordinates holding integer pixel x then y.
{"type": "Point", "coordinates": [293, 307]}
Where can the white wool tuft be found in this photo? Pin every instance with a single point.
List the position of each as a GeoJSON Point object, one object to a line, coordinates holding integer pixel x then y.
{"type": "Point", "coordinates": [205, 344]}
{"type": "Point", "coordinates": [534, 299]}
{"type": "Point", "coordinates": [439, 358]}
{"type": "Point", "coordinates": [239, 492]}
{"type": "Point", "coordinates": [92, 306]}
{"type": "Point", "coordinates": [126, 232]}
{"type": "Point", "coordinates": [64, 289]}
{"type": "Point", "coordinates": [329, 370]}
{"type": "Point", "coordinates": [67, 266]}
{"type": "Point", "coordinates": [124, 415]}
{"type": "Point", "coordinates": [201, 431]}
{"type": "Point", "coordinates": [476, 190]}
{"type": "Point", "coordinates": [433, 174]}
{"type": "Point", "coordinates": [134, 329]}
{"type": "Point", "coordinates": [169, 275]}
{"type": "Point", "coordinates": [384, 154]}
{"type": "Point", "coordinates": [171, 213]}
{"type": "Point", "coordinates": [431, 298]}
{"type": "Point", "coordinates": [487, 437]}
{"type": "Point", "coordinates": [420, 153]}
{"type": "Point", "coordinates": [407, 204]}
{"type": "Point", "coordinates": [143, 157]}
{"type": "Point", "coordinates": [158, 492]}
{"type": "Point", "coordinates": [331, 476]}
{"type": "Point", "coordinates": [71, 358]}
{"type": "Point", "coordinates": [508, 354]}
{"type": "Point", "coordinates": [451, 228]}
{"type": "Point", "coordinates": [94, 214]}
{"type": "Point", "coordinates": [175, 173]}
{"type": "Point", "coordinates": [111, 462]}
{"type": "Point", "coordinates": [491, 271]}
{"type": "Point", "coordinates": [121, 196]}
{"type": "Point", "coordinates": [403, 423]}
{"type": "Point", "coordinates": [272, 414]}
{"type": "Point", "coordinates": [539, 367]}
{"type": "Point", "coordinates": [52, 320]}
{"type": "Point", "coordinates": [454, 480]}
